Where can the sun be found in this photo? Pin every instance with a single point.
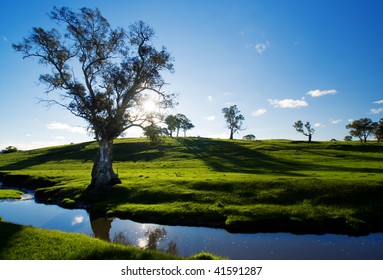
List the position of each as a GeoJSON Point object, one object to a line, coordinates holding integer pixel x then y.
{"type": "Point", "coordinates": [149, 106]}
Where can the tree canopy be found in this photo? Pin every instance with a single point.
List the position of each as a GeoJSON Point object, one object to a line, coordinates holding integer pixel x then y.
{"type": "Point", "coordinates": [100, 74]}
{"type": "Point", "coordinates": [233, 119]}
{"type": "Point", "coordinates": [178, 122]}
{"type": "Point", "coordinates": [305, 129]}
{"type": "Point", "coordinates": [362, 128]}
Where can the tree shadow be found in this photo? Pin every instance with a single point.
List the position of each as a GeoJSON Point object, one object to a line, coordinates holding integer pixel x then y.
{"type": "Point", "coordinates": [55, 154]}
{"type": "Point", "coordinates": [7, 232]}
{"type": "Point", "coordinates": [84, 152]}
{"type": "Point", "coordinates": [230, 156]}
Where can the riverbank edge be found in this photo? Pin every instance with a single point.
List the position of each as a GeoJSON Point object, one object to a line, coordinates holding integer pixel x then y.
{"type": "Point", "coordinates": [278, 223]}
{"type": "Point", "coordinates": [44, 244]}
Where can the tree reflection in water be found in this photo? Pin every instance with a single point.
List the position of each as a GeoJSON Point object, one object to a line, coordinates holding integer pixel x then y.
{"type": "Point", "coordinates": [151, 241]}
{"type": "Point", "coordinates": [101, 226]}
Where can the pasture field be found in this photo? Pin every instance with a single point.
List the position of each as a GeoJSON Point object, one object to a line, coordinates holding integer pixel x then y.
{"type": "Point", "coordinates": [240, 185]}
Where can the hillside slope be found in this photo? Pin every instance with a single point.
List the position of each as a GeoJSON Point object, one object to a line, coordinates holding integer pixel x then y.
{"type": "Point", "coordinates": [273, 185]}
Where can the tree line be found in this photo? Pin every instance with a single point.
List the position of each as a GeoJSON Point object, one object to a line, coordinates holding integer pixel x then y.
{"type": "Point", "coordinates": [361, 128]}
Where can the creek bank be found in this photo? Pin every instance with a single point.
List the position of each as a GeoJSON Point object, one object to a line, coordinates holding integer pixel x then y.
{"type": "Point", "coordinates": [78, 198]}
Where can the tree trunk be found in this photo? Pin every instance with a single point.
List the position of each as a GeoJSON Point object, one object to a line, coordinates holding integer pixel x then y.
{"type": "Point", "coordinates": [310, 137]}
{"type": "Point", "coordinates": [103, 175]}
{"type": "Point", "coordinates": [231, 134]}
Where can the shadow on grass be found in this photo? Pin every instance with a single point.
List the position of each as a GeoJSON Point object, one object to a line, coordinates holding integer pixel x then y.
{"type": "Point", "coordinates": [84, 152]}
{"type": "Point", "coordinates": [230, 156]}
{"type": "Point", "coordinates": [233, 156]}
{"type": "Point", "coordinates": [7, 232]}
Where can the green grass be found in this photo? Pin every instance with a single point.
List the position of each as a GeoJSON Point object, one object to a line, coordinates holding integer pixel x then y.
{"type": "Point", "coordinates": [272, 185]}
{"type": "Point", "coordinates": [10, 194]}
{"type": "Point", "coordinates": [27, 243]}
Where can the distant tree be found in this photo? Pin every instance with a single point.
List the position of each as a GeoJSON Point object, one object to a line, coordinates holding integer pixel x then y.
{"type": "Point", "coordinates": [100, 74]}
{"type": "Point", "coordinates": [10, 149]}
{"type": "Point", "coordinates": [154, 133]}
{"type": "Point", "coordinates": [362, 128]}
{"type": "Point", "coordinates": [305, 129]}
{"type": "Point", "coordinates": [249, 137]}
{"type": "Point", "coordinates": [180, 119]}
{"type": "Point", "coordinates": [187, 126]}
{"type": "Point", "coordinates": [178, 122]}
{"type": "Point", "coordinates": [171, 122]}
{"type": "Point", "coordinates": [379, 130]}
{"type": "Point", "coordinates": [233, 119]}
{"type": "Point", "coordinates": [348, 138]}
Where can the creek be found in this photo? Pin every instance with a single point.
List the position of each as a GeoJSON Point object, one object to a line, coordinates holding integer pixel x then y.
{"type": "Point", "coordinates": [186, 241]}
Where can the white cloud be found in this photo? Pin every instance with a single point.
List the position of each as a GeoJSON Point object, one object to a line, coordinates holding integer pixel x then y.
{"type": "Point", "coordinates": [66, 127]}
{"type": "Point", "coordinates": [379, 102]}
{"type": "Point", "coordinates": [259, 112]}
{"type": "Point", "coordinates": [210, 118]}
{"type": "Point", "coordinates": [376, 111]}
{"type": "Point", "coordinates": [317, 92]}
{"type": "Point", "coordinates": [261, 47]}
{"type": "Point", "coordinates": [228, 93]}
{"type": "Point", "coordinates": [288, 103]}
{"type": "Point", "coordinates": [5, 39]}
{"type": "Point", "coordinates": [210, 98]}
{"type": "Point", "coordinates": [336, 121]}
{"type": "Point", "coordinates": [78, 220]}
{"type": "Point", "coordinates": [319, 125]}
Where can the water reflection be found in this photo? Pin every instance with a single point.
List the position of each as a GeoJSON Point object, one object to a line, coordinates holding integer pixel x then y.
{"type": "Point", "coordinates": [187, 241]}
{"type": "Point", "coordinates": [154, 239]}
{"type": "Point", "coordinates": [100, 225]}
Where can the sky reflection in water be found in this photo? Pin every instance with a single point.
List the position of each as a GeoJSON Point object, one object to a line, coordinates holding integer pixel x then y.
{"type": "Point", "coordinates": [187, 241]}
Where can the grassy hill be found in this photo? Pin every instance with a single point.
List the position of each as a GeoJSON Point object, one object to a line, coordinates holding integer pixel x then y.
{"type": "Point", "coordinates": [273, 185]}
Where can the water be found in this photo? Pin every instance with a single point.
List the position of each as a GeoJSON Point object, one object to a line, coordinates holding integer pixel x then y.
{"type": "Point", "coordinates": [186, 241]}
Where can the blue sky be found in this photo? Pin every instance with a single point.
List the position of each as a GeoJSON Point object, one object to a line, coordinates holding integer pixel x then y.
{"type": "Point", "coordinates": [278, 61]}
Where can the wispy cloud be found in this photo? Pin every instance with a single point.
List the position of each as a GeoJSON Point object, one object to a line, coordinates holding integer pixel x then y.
{"type": "Point", "coordinates": [378, 102]}
{"type": "Point", "coordinates": [228, 93]}
{"type": "Point", "coordinates": [210, 118]}
{"type": "Point", "coordinates": [376, 111]}
{"type": "Point", "coordinates": [5, 39]}
{"type": "Point", "coordinates": [317, 92]}
{"type": "Point", "coordinates": [262, 47]}
{"type": "Point", "coordinates": [288, 103]}
{"type": "Point", "coordinates": [66, 127]}
{"type": "Point", "coordinates": [335, 121]}
{"type": "Point", "coordinates": [319, 125]}
{"type": "Point", "coordinates": [210, 98]}
{"type": "Point", "coordinates": [259, 112]}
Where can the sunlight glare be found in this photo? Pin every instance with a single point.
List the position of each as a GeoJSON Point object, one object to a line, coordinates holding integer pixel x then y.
{"type": "Point", "coordinates": [149, 106]}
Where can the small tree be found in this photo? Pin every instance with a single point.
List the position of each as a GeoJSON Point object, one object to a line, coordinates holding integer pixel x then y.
{"type": "Point", "coordinates": [249, 137]}
{"type": "Point", "coordinates": [348, 138]}
{"type": "Point", "coordinates": [187, 125]}
{"type": "Point", "coordinates": [379, 130]}
{"type": "Point", "coordinates": [305, 129]}
{"type": "Point", "coordinates": [10, 149]}
{"type": "Point", "coordinates": [233, 119]}
{"type": "Point", "coordinates": [171, 122]}
{"type": "Point", "coordinates": [178, 122]}
{"type": "Point", "coordinates": [154, 133]}
{"type": "Point", "coordinates": [362, 128]}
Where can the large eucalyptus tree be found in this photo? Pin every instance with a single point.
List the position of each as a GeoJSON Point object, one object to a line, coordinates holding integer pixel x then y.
{"type": "Point", "coordinates": [100, 74]}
